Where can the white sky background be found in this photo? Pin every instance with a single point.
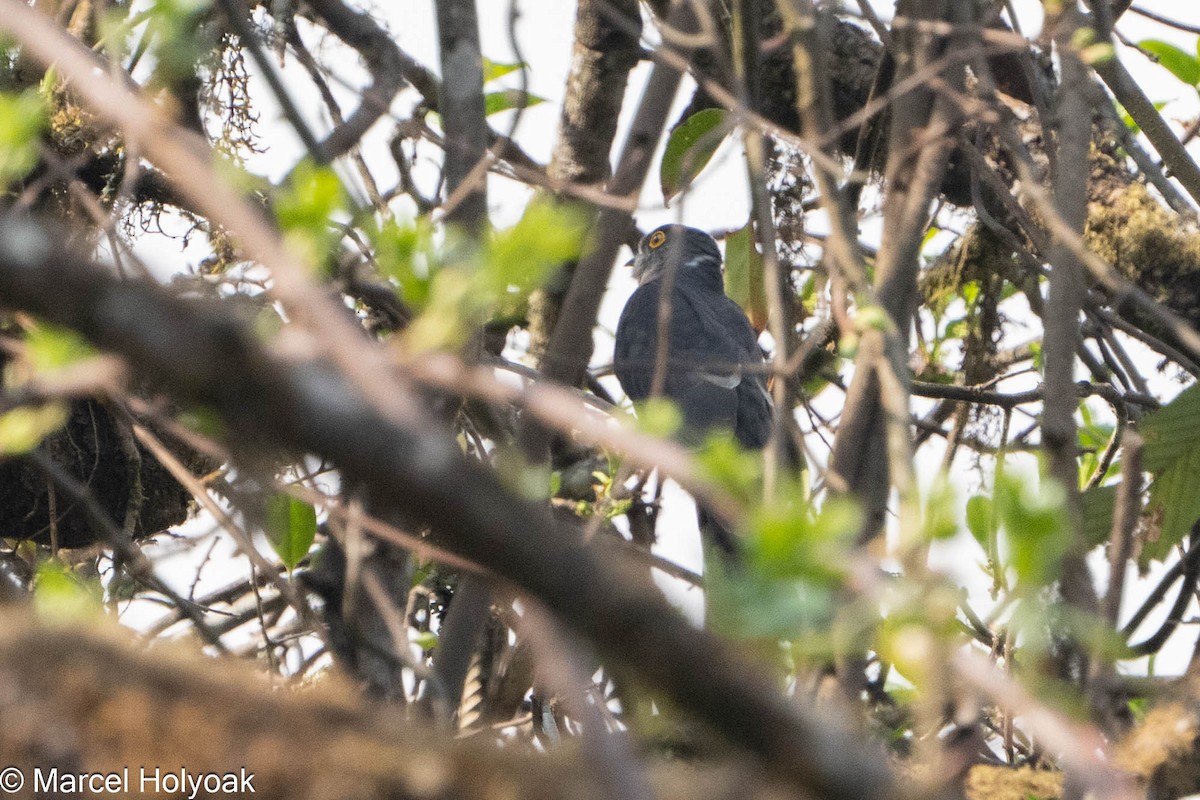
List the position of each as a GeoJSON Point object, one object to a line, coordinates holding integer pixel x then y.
{"type": "Point", "coordinates": [719, 200]}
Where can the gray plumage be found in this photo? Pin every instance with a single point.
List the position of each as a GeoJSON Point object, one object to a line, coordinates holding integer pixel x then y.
{"type": "Point", "coordinates": [710, 340]}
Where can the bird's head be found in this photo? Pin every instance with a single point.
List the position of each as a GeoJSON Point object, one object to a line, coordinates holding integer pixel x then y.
{"type": "Point", "coordinates": [678, 247]}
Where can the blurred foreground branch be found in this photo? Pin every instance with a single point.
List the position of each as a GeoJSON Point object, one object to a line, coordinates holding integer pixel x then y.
{"type": "Point", "coordinates": [413, 469]}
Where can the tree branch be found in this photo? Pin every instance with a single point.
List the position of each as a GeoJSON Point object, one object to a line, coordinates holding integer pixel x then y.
{"type": "Point", "coordinates": [871, 450]}
{"type": "Point", "coordinates": [414, 469]}
{"type": "Point", "coordinates": [604, 54]}
{"type": "Point", "coordinates": [69, 680]}
{"type": "Point", "coordinates": [462, 110]}
{"type": "Point", "coordinates": [570, 345]}
{"type": "Point", "coordinates": [390, 68]}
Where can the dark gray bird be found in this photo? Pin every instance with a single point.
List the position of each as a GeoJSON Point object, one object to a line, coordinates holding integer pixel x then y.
{"type": "Point", "coordinates": [710, 343]}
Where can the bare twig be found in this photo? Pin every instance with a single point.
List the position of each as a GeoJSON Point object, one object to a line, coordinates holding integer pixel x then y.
{"type": "Point", "coordinates": [1126, 509]}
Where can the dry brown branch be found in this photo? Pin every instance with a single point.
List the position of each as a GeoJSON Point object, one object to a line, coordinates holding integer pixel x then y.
{"type": "Point", "coordinates": [83, 699]}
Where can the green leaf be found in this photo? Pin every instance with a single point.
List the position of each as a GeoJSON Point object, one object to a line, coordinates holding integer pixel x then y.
{"type": "Point", "coordinates": [1172, 453]}
{"type": "Point", "coordinates": [980, 518]}
{"type": "Point", "coordinates": [970, 292]}
{"type": "Point", "coordinates": [1128, 119]}
{"type": "Point", "coordinates": [508, 99]}
{"type": "Point", "coordinates": [725, 462]}
{"type": "Point", "coordinates": [1039, 362]}
{"type": "Point", "coordinates": [750, 607]}
{"type": "Point", "coordinates": [305, 209]}
{"type": "Point", "coordinates": [522, 257]}
{"type": "Point", "coordinates": [51, 348]}
{"type": "Point", "coordinates": [1171, 431]}
{"type": "Point", "coordinates": [1035, 523]}
{"type": "Point", "coordinates": [791, 542]}
{"type": "Point", "coordinates": [1093, 435]}
{"type": "Point", "coordinates": [659, 417]}
{"type": "Point", "coordinates": [494, 69]}
{"type": "Point", "coordinates": [60, 595]}
{"type": "Point", "coordinates": [523, 477]}
{"type": "Point", "coordinates": [177, 33]}
{"type": "Point", "coordinates": [1097, 506]}
{"type": "Point", "coordinates": [1175, 498]}
{"type": "Point", "coordinates": [426, 640]}
{"type": "Point", "coordinates": [22, 118]}
{"type": "Point", "coordinates": [957, 329]}
{"type": "Point", "coordinates": [689, 149]}
{"type": "Point", "coordinates": [929, 236]}
{"type": "Point", "coordinates": [940, 522]}
{"type": "Point", "coordinates": [446, 320]}
{"type": "Point", "coordinates": [744, 275]}
{"type": "Point", "coordinates": [873, 318]}
{"type": "Point", "coordinates": [461, 284]}
{"type": "Point", "coordinates": [23, 429]}
{"type": "Point", "coordinates": [406, 255]}
{"type": "Point", "coordinates": [291, 527]}
{"type": "Point", "coordinates": [1182, 65]}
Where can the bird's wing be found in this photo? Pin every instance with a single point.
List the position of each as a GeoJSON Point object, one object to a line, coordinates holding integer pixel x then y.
{"type": "Point", "coordinates": [754, 409]}
{"type": "Point", "coordinates": [637, 342]}
{"type": "Point", "coordinates": [706, 398]}
{"type": "Point", "coordinates": [710, 343]}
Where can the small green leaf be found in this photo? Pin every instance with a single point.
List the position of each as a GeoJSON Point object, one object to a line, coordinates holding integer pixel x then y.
{"type": "Point", "coordinates": [1039, 362]}
{"type": "Point", "coordinates": [1172, 453]}
{"type": "Point", "coordinates": [60, 595]}
{"type": "Point", "coordinates": [521, 476]}
{"type": "Point", "coordinates": [659, 417]}
{"type": "Point", "coordinates": [722, 460]}
{"type": "Point", "coordinates": [970, 292]}
{"type": "Point", "coordinates": [508, 99]}
{"type": "Point", "coordinates": [957, 329]}
{"type": "Point", "coordinates": [1175, 497]}
{"type": "Point", "coordinates": [744, 275]}
{"type": "Point", "coordinates": [980, 519]}
{"type": "Point", "coordinates": [305, 209]}
{"type": "Point", "coordinates": [1034, 521]}
{"type": "Point", "coordinates": [494, 69]}
{"type": "Point", "coordinates": [791, 542]}
{"type": "Point", "coordinates": [23, 429]}
{"type": "Point", "coordinates": [426, 640]}
{"type": "Point", "coordinates": [929, 236]}
{"type": "Point", "coordinates": [689, 149]}
{"type": "Point", "coordinates": [521, 257]}
{"type": "Point", "coordinates": [406, 255]}
{"type": "Point", "coordinates": [1126, 117]}
{"type": "Point", "coordinates": [175, 28]}
{"type": "Point", "coordinates": [1182, 65]}
{"type": "Point", "coordinates": [51, 348]}
{"type": "Point", "coordinates": [940, 522]}
{"type": "Point", "coordinates": [1098, 53]}
{"type": "Point", "coordinates": [291, 527]}
{"type": "Point", "coordinates": [873, 318]}
{"type": "Point", "coordinates": [22, 118]}
{"type": "Point", "coordinates": [445, 322]}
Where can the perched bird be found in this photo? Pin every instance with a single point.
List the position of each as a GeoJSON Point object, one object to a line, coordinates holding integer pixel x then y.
{"type": "Point", "coordinates": [710, 343]}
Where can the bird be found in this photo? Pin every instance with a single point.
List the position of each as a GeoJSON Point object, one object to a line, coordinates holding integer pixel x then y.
{"type": "Point", "coordinates": [713, 371]}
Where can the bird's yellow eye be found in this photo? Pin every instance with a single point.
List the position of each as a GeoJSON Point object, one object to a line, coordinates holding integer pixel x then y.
{"type": "Point", "coordinates": [656, 239]}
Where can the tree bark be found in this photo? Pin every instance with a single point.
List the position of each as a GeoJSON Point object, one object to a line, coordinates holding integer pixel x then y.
{"type": "Point", "coordinates": [920, 143]}
{"type": "Point", "coordinates": [462, 107]}
{"type": "Point", "coordinates": [606, 50]}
